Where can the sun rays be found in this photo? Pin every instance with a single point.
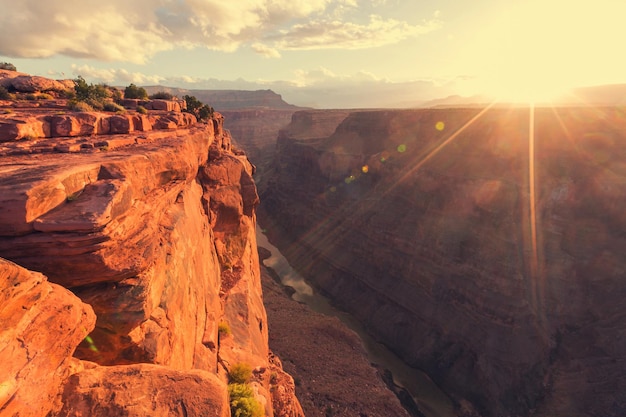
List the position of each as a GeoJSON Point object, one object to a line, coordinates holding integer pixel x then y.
{"type": "Point", "coordinates": [517, 148]}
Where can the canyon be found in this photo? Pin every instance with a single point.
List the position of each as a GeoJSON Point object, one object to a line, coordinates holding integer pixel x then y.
{"type": "Point", "coordinates": [484, 245]}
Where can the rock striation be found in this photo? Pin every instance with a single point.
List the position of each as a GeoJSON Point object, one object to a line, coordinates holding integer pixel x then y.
{"type": "Point", "coordinates": [482, 245]}
{"type": "Point", "coordinates": [153, 233]}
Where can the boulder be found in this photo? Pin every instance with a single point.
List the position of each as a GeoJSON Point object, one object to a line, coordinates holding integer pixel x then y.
{"type": "Point", "coordinates": [42, 323]}
{"type": "Point", "coordinates": [166, 105]}
{"type": "Point", "coordinates": [23, 127]}
{"type": "Point", "coordinates": [144, 390]}
{"type": "Point", "coordinates": [121, 124]}
{"type": "Point", "coordinates": [34, 83]}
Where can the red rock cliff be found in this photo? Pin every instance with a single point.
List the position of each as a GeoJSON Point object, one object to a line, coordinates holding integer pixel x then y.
{"type": "Point", "coordinates": [148, 245]}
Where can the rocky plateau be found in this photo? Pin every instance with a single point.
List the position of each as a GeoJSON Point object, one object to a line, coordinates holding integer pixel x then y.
{"type": "Point", "coordinates": [129, 279]}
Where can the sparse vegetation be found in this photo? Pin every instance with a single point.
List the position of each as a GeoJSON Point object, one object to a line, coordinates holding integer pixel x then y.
{"type": "Point", "coordinates": [7, 66]}
{"type": "Point", "coordinates": [4, 94]}
{"type": "Point", "coordinates": [198, 109]}
{"type": "Point", "coordinates": [114, 107]}
{"type": "Point", "coordinates": [79, 106]}
{"type": "Point", "coordinates": [273, 378]}
{"type": "Point", "coordinates": [74, 196]}
{"type": "Point", "coordinates": [96, 96]}
{"type": "Point", "coordinates": [132, 91]}
{"type": "Point", "coordinates": [116, 94]}
{"type": "Point", "coordinates": [161, 95]}
{"type": "Point", "coordinates": [142, 110]}
{"type": "Point", "coordinates": [30, 96]}
{"type": "Point", "coordinates": [240, 373]}
{"type": "Point", "coordinates": [90, 92]}
{"type": "Point", "coordinates": [223, 329]}
{"type": "Point", "coordinates": [242, 401]}
{"type": "Point", "coordinates": [45, 96]}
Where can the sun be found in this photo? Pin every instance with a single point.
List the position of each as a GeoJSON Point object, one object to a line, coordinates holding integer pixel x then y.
{"type": "Point", "coordinates": [534, 51]}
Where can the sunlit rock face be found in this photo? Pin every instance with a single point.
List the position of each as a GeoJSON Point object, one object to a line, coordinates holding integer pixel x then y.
{"type": "Point", "coordinates": [42, 323]}
{"type": "Point", "coordinates": [156, 236]}
{"type": "Point", "coordinates": [113, 391]}
{"type": "Point", "coordinates": [484, 246]}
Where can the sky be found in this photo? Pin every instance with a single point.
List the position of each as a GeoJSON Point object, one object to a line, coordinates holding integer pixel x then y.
{"type": "Point", "coordinates": [324, 53]}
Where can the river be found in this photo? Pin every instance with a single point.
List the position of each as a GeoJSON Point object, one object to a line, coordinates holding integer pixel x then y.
{"type": "Point", "coordinates": [431, 401]}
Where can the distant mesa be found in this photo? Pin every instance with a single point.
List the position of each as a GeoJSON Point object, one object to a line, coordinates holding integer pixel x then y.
{"type": "Point", "coordinates": [231, 99]}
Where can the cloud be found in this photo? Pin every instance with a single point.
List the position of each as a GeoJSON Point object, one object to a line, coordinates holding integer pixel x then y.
{"type": "Point", "coordinates": [318, 87]}
{"type": "Point", "coordinates": [265, 50]}
{"type": "Point", "coordinates": [35, 29]}
{"type": "Point", "coordinates": [324, 77]}
{"type": "Point", "coordinates": [115, 76]}
{"type": "Point", "coordinates": [134, 31]}
{"type": "Point", "coordinates": [335, 34]}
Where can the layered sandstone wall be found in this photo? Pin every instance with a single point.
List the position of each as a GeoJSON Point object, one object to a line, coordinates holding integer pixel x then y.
{"type": "Point", "coordinates": [155, 239]}
{"type": "Point", "coordinates": [424, 225]}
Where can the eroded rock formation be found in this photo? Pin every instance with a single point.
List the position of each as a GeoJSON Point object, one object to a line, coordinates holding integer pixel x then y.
{"type": "Point", "coordinates": [154, 233]}
{"type": "Point", "coordinates": [485, 247]}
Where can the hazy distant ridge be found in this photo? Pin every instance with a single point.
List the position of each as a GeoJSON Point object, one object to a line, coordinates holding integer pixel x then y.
{"type": "Point", "coordinates": [231, 99]}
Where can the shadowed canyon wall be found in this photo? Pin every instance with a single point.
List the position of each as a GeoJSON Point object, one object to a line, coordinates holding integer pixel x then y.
{"type": "Point", "coordinates": [483, 246]}
{"type": "Point", "coordinates": [153, 287]}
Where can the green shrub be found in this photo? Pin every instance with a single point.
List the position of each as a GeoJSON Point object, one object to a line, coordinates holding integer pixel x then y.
{"type": "Point", "coordinates": [242, 401]}
{"type": "Point", "coordinates": [161, 95]}
{"type": "Point", "coordinates": [89, 92]}
{"type": "Point", "coordinates": [116, 94]}
{"type": "Point", "coordinates": [4, 94]}
{"type": "Point", "coordinates": [114, 107]}
{"type": "Point", "coordinates": [132, 91]}
{"type": "Point", "coordinates": [240, 373]}
{"type": "Point", "coordinates": [75, 105]}
{"type": "Point", "coordinates": [30, 96]}
{"type": "Point", "coordinates": [95, 104]}
{"type": "Point", "coordinates": [68, 94]}
{"type": "Point", "coordinates": [223, 329]}
{"type": "Point", "coordinates": [7, 66]}
{"type": "Point", "coordinates": [197, 108]}
{"type": "Point", "coordinates": [44, 96]}
{"type": "Point", "coordinates": [142, 110]}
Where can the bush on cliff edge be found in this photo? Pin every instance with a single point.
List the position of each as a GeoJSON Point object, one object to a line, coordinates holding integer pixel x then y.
{"type": "Point", "coordinates": [132, 91]}
{"type": "Point", "coordinates": [242, 401]}
{"type": "Point", "coordinates": [240, 373]}
{"type": "Point", "coordinates": [198, 109]}
{"type": "Point", "coordinates": [7, 66]}
{"type": "Point", "coordinates": [96, 96]}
